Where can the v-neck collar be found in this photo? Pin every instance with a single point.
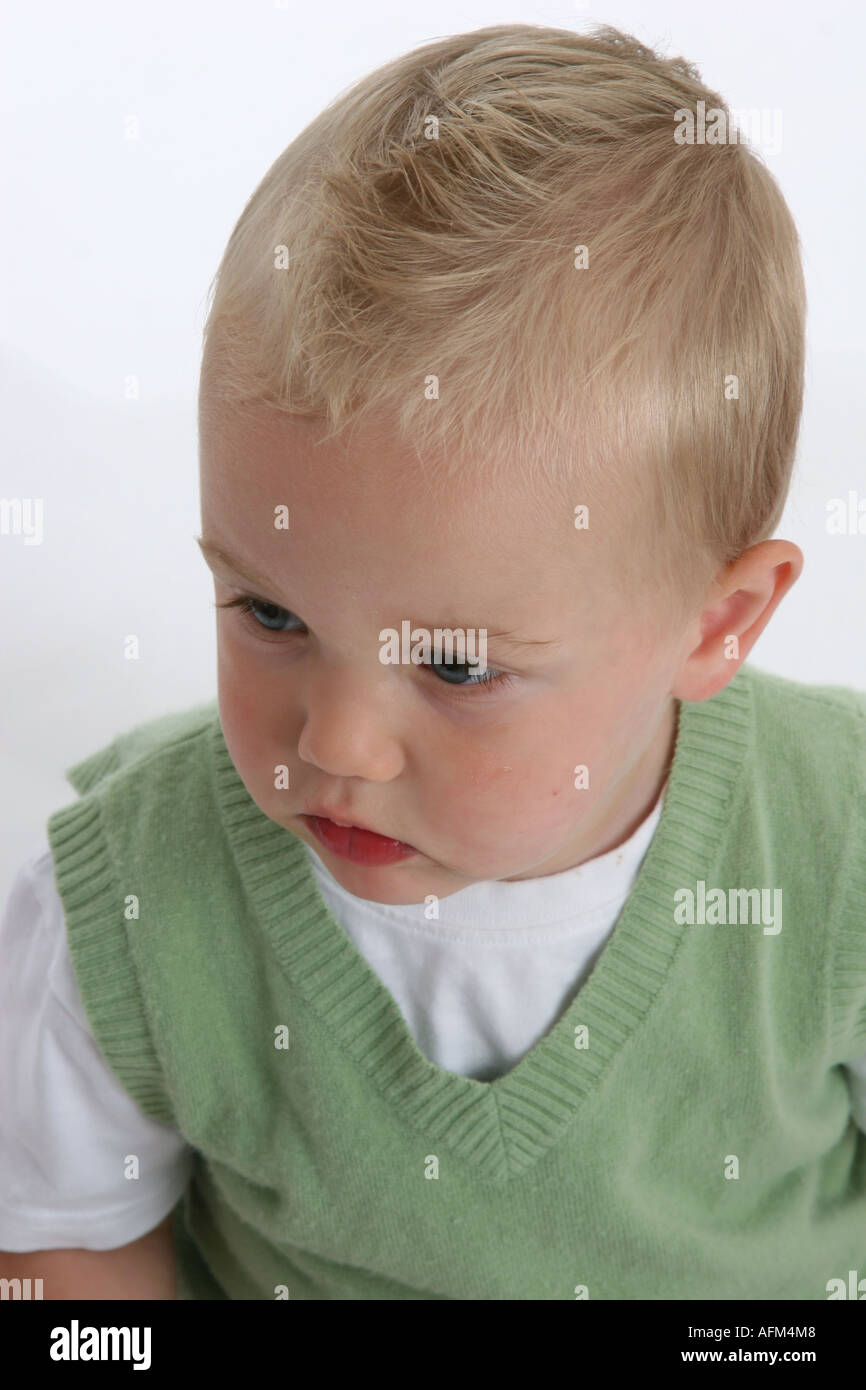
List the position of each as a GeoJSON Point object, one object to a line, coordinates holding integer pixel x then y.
{"type": "Point", "coordinates": [503, 1126]}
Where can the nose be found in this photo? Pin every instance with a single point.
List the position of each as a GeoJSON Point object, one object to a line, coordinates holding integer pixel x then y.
{"type": "Point", "coordinates": [348, 727]}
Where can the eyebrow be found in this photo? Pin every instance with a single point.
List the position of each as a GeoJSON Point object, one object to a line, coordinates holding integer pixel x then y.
{"type": "Point", "coordinates": [215, 552]}
{"type": "Point", "coordinates": [508, 638]}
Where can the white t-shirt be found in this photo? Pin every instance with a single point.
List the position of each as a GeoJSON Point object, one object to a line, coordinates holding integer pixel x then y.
{"type": "Point", "coordinates": [478, 988]}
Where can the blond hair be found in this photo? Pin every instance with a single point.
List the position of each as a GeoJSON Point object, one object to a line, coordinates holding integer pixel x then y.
{"type": "Point", "coordinates": [385, 254]}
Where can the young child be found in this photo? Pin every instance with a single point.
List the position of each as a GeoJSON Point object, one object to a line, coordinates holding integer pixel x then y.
{"type": "Point", "coordinates": [527, 969]}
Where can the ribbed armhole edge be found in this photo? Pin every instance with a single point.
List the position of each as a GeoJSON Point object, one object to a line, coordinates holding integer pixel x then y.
{"type": "Point", "coordinates": [100, 952]}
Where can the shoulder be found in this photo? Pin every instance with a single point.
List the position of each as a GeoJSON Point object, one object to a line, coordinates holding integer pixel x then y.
{"type": "Point", "coordinates": [812, 737]}
{"type": "Point", "coordinates": [802, 784]}
{"type": "Point", "coordinates": [804, 700]}
{"type": "Point", "coordinates": [807, 810]}
{"type": "Point", "coordinates": [151, 785]}
{"type": "Point", "coordinates": [152, 738]}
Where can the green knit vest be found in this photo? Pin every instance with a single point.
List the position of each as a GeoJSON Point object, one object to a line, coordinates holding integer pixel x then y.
{"type": "Point", "coordinates": [683, 1131]}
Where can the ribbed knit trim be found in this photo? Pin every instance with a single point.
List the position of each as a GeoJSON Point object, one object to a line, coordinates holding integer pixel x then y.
{"type": "Point", "coordinates": [848, 980]}
{"type": "Point", "coordinates": [97, 931]}
{"type": "Point", "coordinates": [501, 1126]}
{"type": "Point", "coordinates": [93, 902]}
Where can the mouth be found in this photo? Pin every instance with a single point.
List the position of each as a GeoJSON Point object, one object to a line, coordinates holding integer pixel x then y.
{"type": "Point", "coordinates": [355, 843]}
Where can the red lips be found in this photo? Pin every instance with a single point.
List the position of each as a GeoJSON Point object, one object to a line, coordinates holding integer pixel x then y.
{"type": "Point", "coordinates": [359, 846]}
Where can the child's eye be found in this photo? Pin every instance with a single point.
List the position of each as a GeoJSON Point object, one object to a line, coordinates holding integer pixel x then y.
{"type": "Point", "coordinates": [482, 681]}
{"type": "Point", "coordinates": [249, 607]}
{"type": "Point", "coordinates": [274, 616]}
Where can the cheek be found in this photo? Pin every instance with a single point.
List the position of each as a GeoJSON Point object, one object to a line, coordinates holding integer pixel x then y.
{"type": "Point", "coordinates": [245, 729]}
{"type": "Point", "coordinates": [526, 775]}
{"type": "Point", "coordinates": [251, 688]}
{"type": "Point", "coordinates": [520, 771]}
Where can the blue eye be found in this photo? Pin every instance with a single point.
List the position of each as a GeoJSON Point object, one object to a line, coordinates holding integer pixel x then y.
{"type": "Point", "coordinates": [249, 607]}
{"type": "Point", "coordinates": [448, 669]}
{"type": "Point", "coordinates": [273, 617]}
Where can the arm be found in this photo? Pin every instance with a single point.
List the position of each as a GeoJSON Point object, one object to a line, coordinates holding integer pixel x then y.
{"type": "Point", "coordinates": [84, 1114]}
{"type": "Point", "coordinates": [144, 1269]}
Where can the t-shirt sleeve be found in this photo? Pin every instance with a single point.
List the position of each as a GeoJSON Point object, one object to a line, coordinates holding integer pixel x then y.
{"type": "Point", "coordinates": [69, 1132]}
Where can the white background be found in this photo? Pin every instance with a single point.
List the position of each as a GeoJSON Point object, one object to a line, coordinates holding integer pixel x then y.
{"type": "Point", "coordinates": [109, 245]}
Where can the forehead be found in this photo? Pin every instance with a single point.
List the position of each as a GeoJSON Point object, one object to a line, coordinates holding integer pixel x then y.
{"type": "Point", "coordinates": [365, 504]}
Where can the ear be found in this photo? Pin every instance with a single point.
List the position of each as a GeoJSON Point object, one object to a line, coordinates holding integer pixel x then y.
{"type": "Point", "coordinates": [742, 601]}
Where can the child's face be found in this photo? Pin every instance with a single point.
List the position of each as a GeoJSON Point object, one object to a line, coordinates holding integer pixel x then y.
{"type": "Point", "coordinates": [480, 780]}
